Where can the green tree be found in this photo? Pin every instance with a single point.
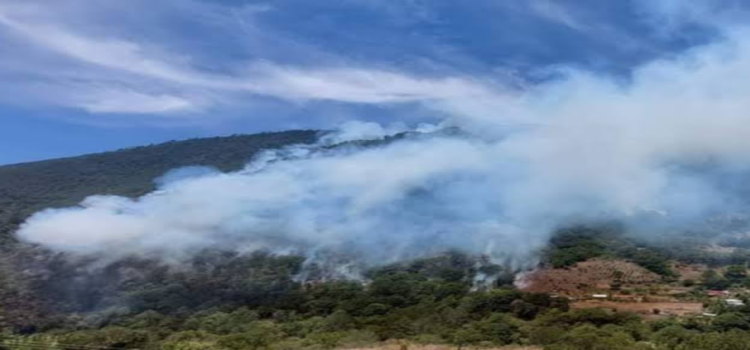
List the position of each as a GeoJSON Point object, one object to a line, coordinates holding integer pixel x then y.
{"type": "Point", "coordinates": [713, 280]}
{"type": "Point", "coordinates": [260, 336]}
{"type": "Point", "coordinates": [730, 320]}
{"type": "Point", "coordinates": [735, 273]}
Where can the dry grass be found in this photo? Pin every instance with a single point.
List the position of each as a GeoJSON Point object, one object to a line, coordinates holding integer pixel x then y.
{"type": "Point", "coordinates": [644, 308]}
{"type": "Point", "coordinates": [690, 271]}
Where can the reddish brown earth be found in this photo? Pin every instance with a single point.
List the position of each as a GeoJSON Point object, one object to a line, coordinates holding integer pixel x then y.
{"type": "Point", "coordinates": [588, 277]}
{"type": "Point", "coordinates": [690, 271]}
{"type": "Point", "coordinates": [627, 286]}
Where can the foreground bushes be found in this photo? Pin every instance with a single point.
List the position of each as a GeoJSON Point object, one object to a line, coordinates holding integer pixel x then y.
{"type": "Point", "coordinates": [231, 302]}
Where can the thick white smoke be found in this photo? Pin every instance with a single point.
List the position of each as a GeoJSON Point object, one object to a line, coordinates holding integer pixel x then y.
{"type": "Point", "coordinates": [582, 148]}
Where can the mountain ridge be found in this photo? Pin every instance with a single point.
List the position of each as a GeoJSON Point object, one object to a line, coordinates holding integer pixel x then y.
{"type": "Point", "coordinates": [31, 186]}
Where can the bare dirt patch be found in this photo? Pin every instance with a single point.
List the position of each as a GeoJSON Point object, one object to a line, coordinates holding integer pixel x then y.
{"type": "Point", "coordinates": [585, 278]}
{"type": "Point", "coordinates": [692, 272]}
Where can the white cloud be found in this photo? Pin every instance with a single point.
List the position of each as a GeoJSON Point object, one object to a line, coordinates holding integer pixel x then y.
{"type": "Point", "coordinates": [152, 78]}
{"type": "Point", "coordinates": [125, 101]}
{"type": "Point", "coordinates": [111, 53]}
{"type": "Point", "coordinates": [669, 17]}
{"type": "Point", "coordinates": [146, 67]}
{"type": "Point", "coordinates": [556, 12]}
{"type": "Point", "coordinates": [357, 85]}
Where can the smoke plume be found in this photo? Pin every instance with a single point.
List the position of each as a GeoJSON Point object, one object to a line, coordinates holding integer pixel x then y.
{"type": "Point", "coordinates": [670, 142]}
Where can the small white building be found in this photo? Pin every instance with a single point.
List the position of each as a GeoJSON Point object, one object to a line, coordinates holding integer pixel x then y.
{"type": "Point", "coordinates": [735, 302]}
{"type": "Point", "coordinates": [600, 296]}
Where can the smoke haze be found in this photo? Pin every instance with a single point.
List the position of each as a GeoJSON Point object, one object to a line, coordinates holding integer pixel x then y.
{"type": "Point", "coordinates": [583, 147]}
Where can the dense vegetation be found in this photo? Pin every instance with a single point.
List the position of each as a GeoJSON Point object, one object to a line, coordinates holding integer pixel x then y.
{"type": "Point", "coordinates": [580, 243]}
{"type": "Point", "coordinates": [229, 301]}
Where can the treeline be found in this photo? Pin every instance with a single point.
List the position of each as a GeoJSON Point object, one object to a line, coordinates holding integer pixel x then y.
{"type": "Point", "coordinates": [574, 244]}
{"type": "Point", "coordinates": [580, 243]}
{"type": "Point", "coordinates": [232, 301]}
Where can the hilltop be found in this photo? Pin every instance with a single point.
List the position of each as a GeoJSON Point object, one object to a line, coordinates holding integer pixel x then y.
{"type": "Point", "coordinates": [29, 187]}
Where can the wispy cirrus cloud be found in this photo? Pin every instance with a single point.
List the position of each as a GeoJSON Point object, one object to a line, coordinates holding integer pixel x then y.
{"type": "Point", "coordinates": [556, 12]}
{"type": "Point", "coordinates": [128, 76]}
{"type": "Point", "coordinates": [190, 58]}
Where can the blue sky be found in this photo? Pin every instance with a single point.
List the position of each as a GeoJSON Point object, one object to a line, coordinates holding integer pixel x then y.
{"type": "Point", "coordinates": [81, 76]}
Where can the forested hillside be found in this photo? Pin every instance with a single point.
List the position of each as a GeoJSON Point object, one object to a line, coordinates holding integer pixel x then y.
{"type": "Point", "coordinates": [26, 188]}
{"type": "Point", "coordinates": [230, 300]}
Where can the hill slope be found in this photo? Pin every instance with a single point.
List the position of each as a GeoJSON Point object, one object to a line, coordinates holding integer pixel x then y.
{"type": "Point", "coordinates": [229, 300]}
{"type": "Point", "coordinates": [28, 187]}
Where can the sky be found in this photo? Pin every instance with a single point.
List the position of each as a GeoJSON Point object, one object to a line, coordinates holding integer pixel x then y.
{"type": "Point", "coordinates": [83, 76]}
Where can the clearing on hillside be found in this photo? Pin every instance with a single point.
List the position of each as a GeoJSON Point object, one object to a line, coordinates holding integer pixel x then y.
{"type": "Point", "coordinates": [588, 277]}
